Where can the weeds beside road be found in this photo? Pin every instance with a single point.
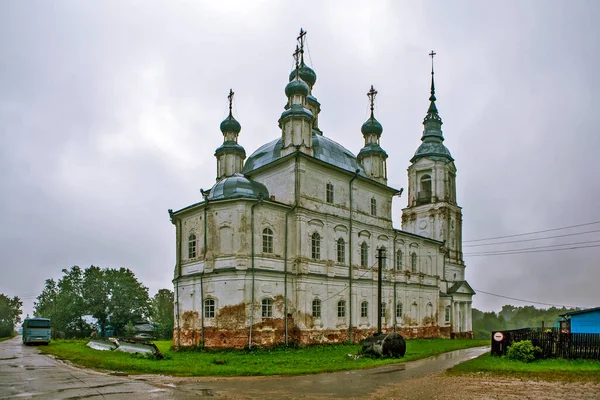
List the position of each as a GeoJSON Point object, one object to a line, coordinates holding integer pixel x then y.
{"type": "Point", "coordinates": [279, 361]}
{"type": "Point", "coordinates": [552, 369]}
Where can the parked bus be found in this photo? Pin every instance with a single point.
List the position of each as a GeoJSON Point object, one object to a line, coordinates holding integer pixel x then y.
{"type": "Point", "coordinates": [36, 330]}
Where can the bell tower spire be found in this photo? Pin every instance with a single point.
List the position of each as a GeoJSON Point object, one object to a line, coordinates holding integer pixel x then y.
{"type": "Point", "coordinates": [432, 209]}
{"type": "Point", "coordinates": [230, 155]}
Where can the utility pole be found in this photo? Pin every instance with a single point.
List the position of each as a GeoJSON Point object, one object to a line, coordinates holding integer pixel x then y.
{"type": "Point", "coordinates": [380, 258]}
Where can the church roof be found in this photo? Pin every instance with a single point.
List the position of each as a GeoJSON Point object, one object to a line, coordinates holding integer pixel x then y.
{"type": "Point", "coordinates": [461, 284]}
{"type": "Point", "coordinates": [324, 149]}
{"type": "Point", "coordinates": [238, 186]}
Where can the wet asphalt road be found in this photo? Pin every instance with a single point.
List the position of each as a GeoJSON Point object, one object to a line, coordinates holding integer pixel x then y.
{"type": "Point", "coordinates": [26, 373]}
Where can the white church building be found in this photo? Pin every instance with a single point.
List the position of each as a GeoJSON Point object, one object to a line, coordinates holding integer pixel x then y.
{"type": "Point", "coordinates": [282, 249]}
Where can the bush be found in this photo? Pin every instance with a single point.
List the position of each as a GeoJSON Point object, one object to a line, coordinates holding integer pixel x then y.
{"type": "Point", "coordinates": [523, 351]}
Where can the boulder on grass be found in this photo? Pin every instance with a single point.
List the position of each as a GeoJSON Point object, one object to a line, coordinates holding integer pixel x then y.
{"type": "Point", "coordinates": [384, 345]}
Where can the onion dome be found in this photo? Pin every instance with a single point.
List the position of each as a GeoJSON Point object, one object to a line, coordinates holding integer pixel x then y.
{"type": "Point", "coordinates": [238, 186]}
{"type": "Point", "coordinates": [295, 87]}
{"type": "Point", "coordinates": [230, 124]}
{"type": "Point", "coordinates": [306, 73]}
{"type": "Point", "coordinates": [371, 126]}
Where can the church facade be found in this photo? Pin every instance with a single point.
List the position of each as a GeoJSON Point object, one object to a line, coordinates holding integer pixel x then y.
{"type": "Point", "coordinates": [283, 248]}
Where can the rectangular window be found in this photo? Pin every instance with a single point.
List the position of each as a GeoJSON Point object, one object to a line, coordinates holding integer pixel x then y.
{"type": "Point", "coordinates": [209, 308]}
{"type": "Point", "coordinates": [316, 308]}
{"type": "Point", "coordinates": [316, 246]}
{"type": "Point", "coordinates": [329, 193]}
{"type": "Point", "coordinates": [267, 241]}
{"type": "Point", "coordinates": [364, 309]}
{"type": "Point", "coordinates": [399, 310]}
{"type": "Point", "coordinates": [267, 308]}
{"type": "Point", "coordinates": [373, 206]}
{"type": "Point", "coordinates": [399, 260]}
{"type": "Point", "coordinates": [341, 251]}
{"type": "Point", "coordinates": [382, 310]}
{"type": "Point", "coordinates": [341, 309]}
{"type": "Point", "coordinates": [447, 314]}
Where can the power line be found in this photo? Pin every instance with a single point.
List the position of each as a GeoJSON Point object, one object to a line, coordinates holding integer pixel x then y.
{"type": "Point", "coordinates": [531, 233]}
{"type": "Point", "coordinates": [526, 301]}
{"type": "Point", "coordinates": [531, 240]}
{"type": "Point", "coordinates": [509, 252]}
{"type": "Point", "coordinates": [538, 247]}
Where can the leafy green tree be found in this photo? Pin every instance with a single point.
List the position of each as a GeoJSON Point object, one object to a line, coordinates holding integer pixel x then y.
{"type": "Point", "coordinates": [97, 295]}
{"type": "Point", "coordinates": [45, 306]}
{"type": "Point", "coordinates": [162, 313]}
{"type": "Point", "coordinates": [129, 299]}
{"type": "Point", "coordinates": [10, 314]}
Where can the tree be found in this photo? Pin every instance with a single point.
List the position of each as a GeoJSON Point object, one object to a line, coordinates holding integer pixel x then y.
{"type": "Point", "coordinates": [45, 306]}
{"type": "Point", "coordinates": [96, 295]}
{"type": "Point", "coordinates": [162, 313]}
{"type": "Point", "coordinates": [10, 314]}
{"type": "Point", "coordinates": [129, 299]}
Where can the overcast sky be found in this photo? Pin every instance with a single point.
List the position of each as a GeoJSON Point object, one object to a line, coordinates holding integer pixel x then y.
{"type": "Point", "coordinates": [110, 112]}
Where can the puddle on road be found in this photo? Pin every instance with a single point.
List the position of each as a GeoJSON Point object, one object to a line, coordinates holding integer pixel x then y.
{"type": "Point", "coordinates": [27, 394]}
{"type": "Point", "coordinates": [205, 392]}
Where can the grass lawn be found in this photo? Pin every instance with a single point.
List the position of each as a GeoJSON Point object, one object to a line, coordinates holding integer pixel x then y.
{"type": "Point", "coordinates": [2, 339]}
{"type": "Point", "coordinates": [280, 361]}
{"type": "Point", "coordinates": [555, 369]}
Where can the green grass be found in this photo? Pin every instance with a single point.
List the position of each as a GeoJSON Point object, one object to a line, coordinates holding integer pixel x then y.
{"type": "Point", "coordinates": [279, 361]}
{"type": "Point", "coordinates": [2, 339]}
{"type": "Point", "coordinates": [555, 369]}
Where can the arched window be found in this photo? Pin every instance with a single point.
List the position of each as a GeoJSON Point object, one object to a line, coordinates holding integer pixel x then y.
{"type": "Point", "coordinates": [413, 262]}
{"type": "Point", "coordinates": [425, 190]}
{"type": "Point", "coordinates": [209, 308]}
{"type": "Point", "coordinates": [382, 309]}
{"type": "Point", "coordinates": [364, 255]}
{"type": "Point", "coordinates": [316, 308]}
{"type": "Point", "coordinates": [341, 309]}
{"type": "Point", "coordinates": [316, 246]}
{"type": "Point", "coordinates": [267, 308]}
{"type": "Point", "coordinates": [192, 246]}
{"type": "Point", "coordinates": [399, 310]}
{"type": "Point", "coordinates": [447, 319]}
{"type": "Point", "coordinates": [364, 309]}
{"type": "Point", "coordinates": [373, 206]}
{"type": "Point", "coordinates": [399, 260]}
{"type": "Point", "coordinates": [329, 193]}
{"type": "Point", "coordinates": [267, 241]}
{"type": "Point", "coordinates": [341, 251]}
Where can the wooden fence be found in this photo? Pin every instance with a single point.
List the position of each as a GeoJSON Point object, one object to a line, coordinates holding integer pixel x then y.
{"type": "Point", "coordinates": [553, 342]}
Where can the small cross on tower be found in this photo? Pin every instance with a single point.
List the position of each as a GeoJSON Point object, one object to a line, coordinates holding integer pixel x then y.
{"type": "Point", "coordinates": [371, 95]}
{"type": "Point", "coordinates": [301, 39]}
{"type": "Point", "coordinates": [432, 54]}
{"type": "Point", "coordinates": [230, 98]}
{"type": "Point", "coordinates": [297, 57]}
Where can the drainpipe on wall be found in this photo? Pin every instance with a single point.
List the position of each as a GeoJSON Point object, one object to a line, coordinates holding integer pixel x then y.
{"type": "Point", "coordinates": [350, 256]}
{"type": "Point", "coordinates": [178, 270]}
{"type": "Point", "coordinates": [260, 199]}
{"type": "Point", "coordinates": [395, 282]}
{"type": "Point", "coordinates": [285, 251]}
{"type": "Point", "coordinates": [205, 195]}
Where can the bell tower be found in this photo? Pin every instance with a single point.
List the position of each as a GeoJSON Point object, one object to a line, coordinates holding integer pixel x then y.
{"type": "Point", "coordinates": [432, 209]}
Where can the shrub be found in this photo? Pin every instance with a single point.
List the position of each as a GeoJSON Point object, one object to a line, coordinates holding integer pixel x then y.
{"type": "Point", "coordinates": [523, 351]}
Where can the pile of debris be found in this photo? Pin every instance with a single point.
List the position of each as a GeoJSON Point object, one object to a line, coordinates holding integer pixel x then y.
{"type": "Point", "coordinates": [126, 345]}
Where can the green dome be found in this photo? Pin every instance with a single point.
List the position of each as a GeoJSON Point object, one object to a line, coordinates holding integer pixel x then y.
{"type": "Point", "coordinates": [306, 74]}
{"type": "Point", "coordinates": [297, 86]}
{"type": "Point", "coordinates": [324, 149]}
{"type": "Point", "coordinates": [434, 150]}
{"type": "Point", "coordinates": [238, 186]}
{"type": "Point", "coordinates": [372, 126]}
{"type": "Point", "coordinates": [230, 124]}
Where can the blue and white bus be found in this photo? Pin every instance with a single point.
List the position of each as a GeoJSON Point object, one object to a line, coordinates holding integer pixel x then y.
{"type": "Point", "coordinates": [36, 330]}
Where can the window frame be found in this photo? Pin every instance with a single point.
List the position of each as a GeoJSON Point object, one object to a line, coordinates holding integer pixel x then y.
{"type": "Point", "coordinates": [399, 255]}
{"type": "Point", "coordinates": [315, 246]}
{"type": "Point", "coordinates": [448, 314]}
{"type": "Point", "coordinates": [329, 196]}
{"type": "Point", "coordinates": [316, 308]}
{"type": "Point", "coordinates": [399, 307]}
{"type": "Point", "coordinates": [341, 309]}
{"type": "Point", "coordinates": [364, 254]}
{"type": "Point", "coordinates": [373, 206]}
{"type": "Point", "coordinates": [341, 251]}
{"type": "Point", "coordinates": [267, 241]}
{"type": "Point", "coordinates": [364, 309]}
{"type": "Point", "coordinates": [192, 245]}
{"type": "Point", "coordinates": [266, 308]}
{"type": "Point", "coordinates": [414, 262]}
{"type": "Point", "coordinates": [210, 307]}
